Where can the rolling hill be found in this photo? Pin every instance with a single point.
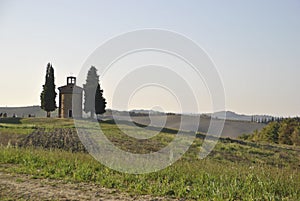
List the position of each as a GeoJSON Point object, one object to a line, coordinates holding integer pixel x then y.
{"type": "Point", "coordinates": [25, 111]}
{"type": "Point", "coordinates": [234, 126]}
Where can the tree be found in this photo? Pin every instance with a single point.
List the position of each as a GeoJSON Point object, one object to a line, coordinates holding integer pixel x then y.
{"type": "Point", "coordinates": [48, 94]}
{"type": "Point", "coordinates": [270, 132]}
{"type": "Point", "coordinates": [295, 137]}
{"type": "Point", "coordinates": [90, 88]}
{"type": "Point", "coordinates": [100, 102]}
{"type": "Point", "coordinates": [285, 132]}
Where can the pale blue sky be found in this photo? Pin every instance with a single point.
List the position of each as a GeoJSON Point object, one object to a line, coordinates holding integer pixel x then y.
{"type": "Point", "coordinates": [254, 44]}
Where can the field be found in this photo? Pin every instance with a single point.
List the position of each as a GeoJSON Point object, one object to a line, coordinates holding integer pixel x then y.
{"type": "Point", "coordinates": [42, 151]}
{"type": "Point", "coordinates": [232, 128]}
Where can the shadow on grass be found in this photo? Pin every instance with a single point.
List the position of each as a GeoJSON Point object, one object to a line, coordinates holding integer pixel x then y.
{"type": "Point", "coordinates": [152, 128]}
{"type": "Point", "coordinates": [10, 120]}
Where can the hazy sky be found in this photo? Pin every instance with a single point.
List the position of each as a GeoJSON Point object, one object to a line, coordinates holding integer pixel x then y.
{"type": "Point", "coordinates": [254, 44]}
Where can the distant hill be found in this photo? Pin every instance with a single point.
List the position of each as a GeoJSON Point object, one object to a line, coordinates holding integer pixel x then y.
{"type": "Point", "coordinates": [229, 115]}
{"type": "Point", "coordinates": [25, 111]}
{"type": "Point", "coordinates": [234, 116]}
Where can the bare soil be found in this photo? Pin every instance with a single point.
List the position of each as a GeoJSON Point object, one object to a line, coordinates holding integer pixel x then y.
{"type": "Point", "coordinates": [60, 138]}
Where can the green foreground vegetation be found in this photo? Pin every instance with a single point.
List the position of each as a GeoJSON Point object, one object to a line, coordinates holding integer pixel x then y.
{"type": "Point", "coordinates": [235, 170]}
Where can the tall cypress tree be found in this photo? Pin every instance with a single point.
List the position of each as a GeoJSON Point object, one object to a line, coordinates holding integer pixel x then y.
{"type": "Point", "coordinates": [48, 94]}
{"type": "Point", "coordinates": [90, 87]}
{"type": "Point", "coordinates": [100, 102]}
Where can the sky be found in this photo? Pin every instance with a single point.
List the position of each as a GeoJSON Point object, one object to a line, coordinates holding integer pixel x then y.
{"type": "Point", "coordinates": [255, 46]}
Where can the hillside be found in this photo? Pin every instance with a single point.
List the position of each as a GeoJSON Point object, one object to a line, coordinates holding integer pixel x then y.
{"type": "Point", "coordinates": [231, 128]}
{"type": "Point", "coordinates": [234, 170]}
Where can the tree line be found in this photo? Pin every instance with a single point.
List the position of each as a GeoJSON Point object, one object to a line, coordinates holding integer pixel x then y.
{"type": "Point", "coordinates": [265, 120]}
{"type": "Point", "coordinates": [94, 102]}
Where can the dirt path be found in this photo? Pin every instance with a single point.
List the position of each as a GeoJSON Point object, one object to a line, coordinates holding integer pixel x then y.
{"type": "Point", "coordinates": [23, 187]}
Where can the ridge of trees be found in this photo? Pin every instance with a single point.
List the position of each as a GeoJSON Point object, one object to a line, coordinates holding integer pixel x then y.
{"type": "Point", "coordinates": [265, 119]}
{"type": "Point", "coordinates": [283, 131]}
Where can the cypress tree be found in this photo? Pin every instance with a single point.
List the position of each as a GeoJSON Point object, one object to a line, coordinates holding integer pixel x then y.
{"type": "Point", "coordinates": [100, 102]}
{"type": "Point", "coordinates": [90, 87]}
{"type": "Point", "coordinates": [48, 95]}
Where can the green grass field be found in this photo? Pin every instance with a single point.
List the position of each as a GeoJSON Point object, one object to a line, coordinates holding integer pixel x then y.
{"type": "Point", "coordinates": [235, 170]}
